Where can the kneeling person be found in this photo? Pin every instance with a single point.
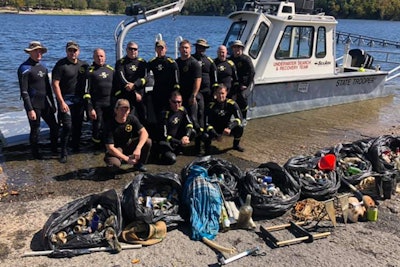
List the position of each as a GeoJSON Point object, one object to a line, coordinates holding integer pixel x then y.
{"type": "Point", "coordinates": [126, 139]}
{"type": "Point", "coordinates": [218, 119]}
{"type": "Point", "coordinates": [177, 128]}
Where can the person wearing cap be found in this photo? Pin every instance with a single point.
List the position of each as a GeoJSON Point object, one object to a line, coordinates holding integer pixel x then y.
{"type": "Point", "coordinates": [245, 72]}
{"type": "Point", "coordinates": [126, 139]}
{"type": "Point", "coordinates": [218, 120]}
{"type": "Point", "coordinates": [226, 69]}
{"type": "Point", "coordinates": [68, 78]}
{"type": "Point", "coordinates": [99, 84]}
{"type": "Point", "coordinates": [176, 129]}
{"type": "Point", "coordinates": [190, 81]}
{"type": "Point", "coordinates": [208, 71]}
{"type": "Point", "coordinates": [130, 75]}
{"type": "Point", "coordinates": [166, 78]}
{"type": "Point", "coordinates": [38, 98]}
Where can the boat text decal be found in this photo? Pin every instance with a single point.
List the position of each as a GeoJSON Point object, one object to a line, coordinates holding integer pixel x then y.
{"type": "Point", "coordinates": [353, 81]}
{"type": "Point", "coordinates": [291, 65]}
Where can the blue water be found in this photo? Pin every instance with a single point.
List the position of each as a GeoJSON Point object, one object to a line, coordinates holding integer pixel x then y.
{"type": "Point", "coordinates": [98, 31]}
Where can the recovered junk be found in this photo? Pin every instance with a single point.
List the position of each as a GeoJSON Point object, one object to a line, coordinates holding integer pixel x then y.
{"type": "Point", "coordinates": [316, 174]}
{"type": "Point", "coordinates": [221, 168]}
{"type": "Point", "coordinates": [91, 221]}
{"type": "Point", "coordinates": [273, 190]}
{"type": "Point", "coordinates": [143, 233]}
{"type": "Point", "coordinates": [384, 155]}
{"type": "Point", "coordinates": [353, 163]}
{"type": "Point", "coordinates": [151, 198]}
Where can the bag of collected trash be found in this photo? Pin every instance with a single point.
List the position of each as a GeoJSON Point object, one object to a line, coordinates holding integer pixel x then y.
{"type": "Point", "coordinates": [151, 198]}
{"type": "Point", "coordinates": [92, 221]}
{"type": "Point", "coordinates": [316, 175]}
{"type": "Point", "coordinates": [273, 190]}
{"type": "Point", "coordinates": [384, 155]}
{"type": "Point", "coordinates": [353, 165]}
{"type": "Point", "coordinates": [227, 171]}
{"type": "Point", "coordinates": [204, 201]}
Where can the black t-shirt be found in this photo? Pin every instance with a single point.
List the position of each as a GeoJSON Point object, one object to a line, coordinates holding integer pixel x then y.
{"type": "Point", "coordinates": [121, 134]}
{"type": "Point", "coordinates": [189, 70]}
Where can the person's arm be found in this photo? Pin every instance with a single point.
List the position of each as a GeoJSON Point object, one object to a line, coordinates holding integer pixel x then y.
{"type": "Point", "coordinates": [24, 86]}
{"type": "Point", "coordinates": [57, 91]}
{"type": "Point", "coordinates": [143, 136]}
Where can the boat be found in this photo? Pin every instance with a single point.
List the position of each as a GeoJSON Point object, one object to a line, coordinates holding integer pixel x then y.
{"type": "Point", "coordinates": [293, 49]}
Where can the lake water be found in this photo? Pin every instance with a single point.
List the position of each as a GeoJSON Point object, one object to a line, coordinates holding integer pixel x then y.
{"type": "Point", "coordinates": [98, 31]}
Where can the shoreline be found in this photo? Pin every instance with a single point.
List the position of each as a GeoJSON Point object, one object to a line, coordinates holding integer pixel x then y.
{"type": "Point", "coordinates": [65, 11]}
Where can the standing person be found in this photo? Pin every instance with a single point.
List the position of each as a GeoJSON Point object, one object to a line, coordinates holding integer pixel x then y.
{"type": "Point", "coordinates": [130, 84]}
{"type": "Point", "coordinates": [177, 129]}
{"type": "Point", "coordinates": [226, 69]}
{"type": "Point", "coordinates": [99, 84]}
{"type": "Point", "coordinates": [190, 81]}
{"type": "Point", "coordinates": [126, 139]}
{"type": "Point", "coordinates": [37, 95]}
{"type": "Point", "coordinates": [166, 78]}
{"type": "Point", "coordinates": [218, 119]}
{"type": "Point", "coordinates": [208, 71]}
{"type": "Point", "coordinates": [245, 71]}
{"type": "Point", "coordinates": [68, 78]}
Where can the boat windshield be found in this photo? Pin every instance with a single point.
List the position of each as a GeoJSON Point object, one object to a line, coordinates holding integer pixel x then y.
{"type": "Point", "coordinates": [296, 42]}
{"type": "Point", "coordinates": [235, 32]}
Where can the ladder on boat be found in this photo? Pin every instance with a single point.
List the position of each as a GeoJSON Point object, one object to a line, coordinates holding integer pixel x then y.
{"type": "Point", "coordinates": [138, 15]}
{"type": "Point", "coordinates": [362, 40]}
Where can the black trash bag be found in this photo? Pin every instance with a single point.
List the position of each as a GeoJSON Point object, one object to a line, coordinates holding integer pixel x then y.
{"type": "Point", "coordinates": [315, 183]}
{"type": "Point", "coordinates": [353, 165]}
{"type": "Point", "coordinates": [151, 198]}
{"type": "Point", "coordinates": [272, 199]}
{"type": "Point", "coordinates": [229, 171]}
{"type": "Point", "coordinates": [384, 155]}
{"type": "Point", "coordinates": [62, 230]}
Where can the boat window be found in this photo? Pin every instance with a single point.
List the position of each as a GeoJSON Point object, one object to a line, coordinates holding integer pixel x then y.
{"type": "Point", "coordinates": [235, 33]}
{"type": "Point", "coordinates": [321, 43]}
{"type": "Point", "coordinates": [258, 40]}
{"type": "Point", "coordinates": [296, 42]}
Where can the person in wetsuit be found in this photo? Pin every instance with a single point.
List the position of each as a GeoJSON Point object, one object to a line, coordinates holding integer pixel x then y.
{"type": "Point", "coordinates": [177, 129]}
{"type": "Point", "coordinates": [130, 75]}
{"type": "Point", "coordinates": [68, 78]}
{"type": "Point", "coordinates": [127, 141]}
{"type": "Point", "coordinates": [218, 120]}
{"type": "Point", "coordinates": [226, 70]}
{"type": "Point", "coordinates": [166, 78]}
{"type": "Point", "coordinates": [245, 71]}
{"type": "Point", "coordinates": [37, 95]}
{"type": "Point", "coordinates": [99, 84]}
{"type": "Point", "coordinates": [190, 81]}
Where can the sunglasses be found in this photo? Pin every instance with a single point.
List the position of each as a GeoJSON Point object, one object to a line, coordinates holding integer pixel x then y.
{"type": "Point", "coordinates": [176, 102]}
{"type": "Point", "coordinates": [132, 48]}
{"type": "Point", "coordinates": [72, 50]}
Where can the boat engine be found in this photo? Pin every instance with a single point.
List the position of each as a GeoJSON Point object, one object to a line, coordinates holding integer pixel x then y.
{"type": "Point", "coordinates": [361, 58]}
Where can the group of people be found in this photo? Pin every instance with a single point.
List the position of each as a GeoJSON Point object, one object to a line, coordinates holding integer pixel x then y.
{"type": "Point", "coordinates": [194, 98]}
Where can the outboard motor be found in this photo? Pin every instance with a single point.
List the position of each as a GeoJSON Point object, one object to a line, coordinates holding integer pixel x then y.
{"type": "Point", "coordinates": [360, 58]}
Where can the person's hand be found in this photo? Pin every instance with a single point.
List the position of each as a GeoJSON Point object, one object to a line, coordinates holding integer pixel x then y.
{"type": "Point", "coordinates": [227, 131]}
{"type": "Point", "coordinates": [93, 115]}
{"type": "Point", "coordinates": [138, 97]}
{"type": "Point", "coordinates": [192, 100]}
{"type": "Point", "coordinates": [135, 157]}
{"type": "Point", "coordinates": [32, 115]}
{"type": "Point", "coordinates": [64, 107]}
{"type": "Point", "coordinates": [129, 86]}
{"type": "Point", "coordinates": [242, 88]}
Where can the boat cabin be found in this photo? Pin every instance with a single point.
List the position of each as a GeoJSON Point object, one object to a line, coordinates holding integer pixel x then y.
{"type": "Point", "coordinates": [284, 42]}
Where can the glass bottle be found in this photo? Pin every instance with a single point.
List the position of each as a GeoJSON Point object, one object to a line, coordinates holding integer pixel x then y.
{"type": "Point", "coordinates": [245, 212]}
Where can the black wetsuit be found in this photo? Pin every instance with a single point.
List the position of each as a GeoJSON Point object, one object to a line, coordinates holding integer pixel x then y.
{"type": "Point", "coordinates": [125, 136]}
{"type": "Point", "coordinates": [72, 85]}
{"type": "Point", "coordinates": [226, 74]}
{"type": "Point", "coordinates": [245, 71]}
{"type": "Point", "coordinates": [218, 117]}
{"type": "Point", "coordinates": [37, 95]}
{"type": "Point", "coordinates": [189, 70]}
{"type": "Point", "coordinates": [99, 84]}
{"type": "Point", "coordinates": [208, 77]}
{"type": "Point", "coordinates": [134, 71]}
{"type": "Point", "coordinates": [166, 80]}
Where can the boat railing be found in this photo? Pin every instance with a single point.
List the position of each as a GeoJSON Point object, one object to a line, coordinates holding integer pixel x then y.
{"type": "Point", "coordinates": [138, 15]}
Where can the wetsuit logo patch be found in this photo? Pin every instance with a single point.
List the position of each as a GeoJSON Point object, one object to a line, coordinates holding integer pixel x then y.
{"type": "Point", "coordinates": [103, 75]}
{"type": "Point", "coordinates": [41, 74]}
{"type": "Point", "coordinates": [133, 68]}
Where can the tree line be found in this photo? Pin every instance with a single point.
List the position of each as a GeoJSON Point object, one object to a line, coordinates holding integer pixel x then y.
{"type": "Point", "coordinates": [356, 9]}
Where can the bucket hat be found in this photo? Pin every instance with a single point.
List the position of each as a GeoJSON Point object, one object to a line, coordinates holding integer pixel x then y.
{"type": "Point", "coordinates": [202, 42]}
{"type": "Point", "coordinates": [237, 43]}
{"type": "Point", "coordinates": [144, 233]}
{"type": "Point", "coordinates": [35, 45]}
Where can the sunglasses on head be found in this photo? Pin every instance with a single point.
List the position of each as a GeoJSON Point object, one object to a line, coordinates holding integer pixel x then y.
{"type": "Point", "coordinates": [132, 48]}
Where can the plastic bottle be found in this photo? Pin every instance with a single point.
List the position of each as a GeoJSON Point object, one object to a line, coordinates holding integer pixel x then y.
{"type": "Point", "coordinates": [351, 170]}
{"type": "Point", "coordinates": [245, 212]}
{"type": "Point", "coordinates": [226, 223]}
